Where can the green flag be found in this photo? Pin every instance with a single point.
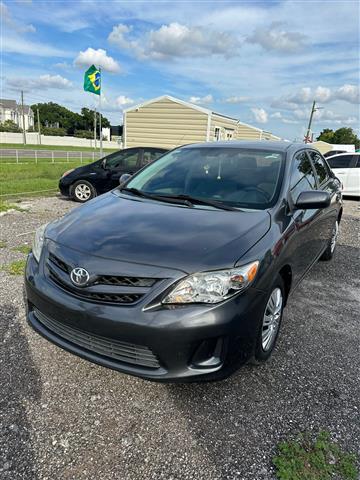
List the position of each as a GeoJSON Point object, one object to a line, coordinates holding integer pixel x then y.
{"type": "Point", "coordinates": [92, 80]}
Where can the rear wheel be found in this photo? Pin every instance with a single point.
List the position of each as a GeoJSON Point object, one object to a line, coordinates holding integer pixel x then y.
{"type": "Point", "coordinates": [330, 249]}
{"type": "Point", "coordinates": [82, 191]}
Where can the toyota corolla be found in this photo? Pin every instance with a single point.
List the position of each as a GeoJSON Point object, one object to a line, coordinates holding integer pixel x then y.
{"type": "Point", "coordinates": [182, 272]}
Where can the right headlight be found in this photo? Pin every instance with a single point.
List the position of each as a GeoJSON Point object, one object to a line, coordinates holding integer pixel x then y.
{"type": "Point", "coordinates": [38, 242]}
{"type": "Point", "coordinates": [212, 287]}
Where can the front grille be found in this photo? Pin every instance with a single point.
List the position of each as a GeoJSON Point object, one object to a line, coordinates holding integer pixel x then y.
{"type": "Point", "coordinates": [59, 263]}
{"type": "Point", "coordinates": [125, 298]}
{"type": "Point", "coordinates": [107, 347]}
{"type": "Point", "coordinates": [125, 281]}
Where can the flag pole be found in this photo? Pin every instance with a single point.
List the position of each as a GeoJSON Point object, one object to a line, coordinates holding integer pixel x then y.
{"type": "Point", "coordinates": [101, 142]}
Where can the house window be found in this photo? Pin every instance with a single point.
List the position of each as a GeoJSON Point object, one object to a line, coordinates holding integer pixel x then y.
{"type": "Point", "coordinates": [217, 134]}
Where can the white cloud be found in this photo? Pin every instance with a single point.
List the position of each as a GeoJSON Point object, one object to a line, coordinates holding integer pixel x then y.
{"type": "Point", "coordinates": [14, 25]}
{"type": "Point", "coordinates": [276, 38]}
{"type": "Point", "coordinates": [63, 65]}
{"type": "Point", "coordinates": [175, 40]}
{"type": "Point", "coordinates": [202, 100]}
{"type": "Point", "coordinates": [15, 44]}
{"type": "Point", "coordinates": [44, 82]}
{"type": "Point", "coordinates": [236, 99]}
{"type": "Point", "coordinates": [349, 93]}
{"type": "Point", "coordinates": [123, 101]}
{"type": "Point", "coordinates": [279, 116]}
{"type": "Point", "coordinates": [260, 115]}
{"type": "Point", "coordinates": [99, 58]}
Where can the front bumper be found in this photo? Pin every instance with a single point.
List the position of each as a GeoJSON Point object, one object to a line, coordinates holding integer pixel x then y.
{"type": "Point", "coordinates": [188, 342]}
{"type": "Point", "coordinates": [64, 187]}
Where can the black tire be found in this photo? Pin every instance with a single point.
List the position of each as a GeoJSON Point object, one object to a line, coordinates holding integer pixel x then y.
{"type": "Point", "coordinates": [82, 191]}
{"type": "Point", "coordinates": [262, 353]}
{"type": "Point", "coordinates": [330, 249]}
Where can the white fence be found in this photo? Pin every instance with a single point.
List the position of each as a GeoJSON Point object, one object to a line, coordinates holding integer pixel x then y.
{"type": "Point", "coordinates": [12, 155]}
{"type": "Point", "coordinates": [33, 139]}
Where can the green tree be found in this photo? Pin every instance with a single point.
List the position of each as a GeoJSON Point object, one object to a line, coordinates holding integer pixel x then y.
{"type": "Point", "coordinates": [9, 126]}
{"type": "Point", "coordinates": [326, 135]}
{"type": "Point", "coordinates": [52, 114]}
{"type": "Point", "coordinates": [343, 135]}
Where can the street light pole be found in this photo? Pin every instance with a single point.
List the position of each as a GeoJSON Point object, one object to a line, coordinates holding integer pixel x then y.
{"type": "Point", "coordinates": [39, 128]}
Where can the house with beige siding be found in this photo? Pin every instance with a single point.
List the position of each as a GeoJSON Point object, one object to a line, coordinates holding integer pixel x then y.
{"type": "Point", "coordinates": [169, 122]}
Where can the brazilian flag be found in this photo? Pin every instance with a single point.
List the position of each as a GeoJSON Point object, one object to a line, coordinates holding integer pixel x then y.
{"type": "Point", "coordinates": [92, 80]}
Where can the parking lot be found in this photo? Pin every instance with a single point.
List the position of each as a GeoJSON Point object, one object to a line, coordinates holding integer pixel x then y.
{"type": "Point", "coordinates": [64, 418]}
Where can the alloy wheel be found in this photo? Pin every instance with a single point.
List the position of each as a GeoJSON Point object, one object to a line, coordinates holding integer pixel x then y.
{"type": "Point", "coordinates": [82, 192]}
{"type": "Point", "coordinates": [271, 320]}
{"type": "Point", "coordinates": [334, 236]}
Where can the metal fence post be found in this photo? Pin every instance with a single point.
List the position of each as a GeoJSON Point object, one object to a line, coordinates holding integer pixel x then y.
{"type": "Point", "coordinates": [17, 156]}
{"type": "Point", "coordinates": [81, 159]}
{"type": "Point", "coordinates": [36, 160]}
{"type": "Point", "coordinates": [52, 157]}
{"type": "Point", "coordinates": [93, 156]}
{"type": "Point", "coordinates": [67, 156]}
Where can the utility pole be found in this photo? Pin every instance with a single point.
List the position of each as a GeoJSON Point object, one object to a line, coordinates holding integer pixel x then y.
{"type": "Point", "coordinates": [314, 109]}
{"type": "Point", "coordinates": [95, 129]}
{"type": "Point", "coordinates": [39, 128]}
{"type": "Point", "coordinates": [23, 116]}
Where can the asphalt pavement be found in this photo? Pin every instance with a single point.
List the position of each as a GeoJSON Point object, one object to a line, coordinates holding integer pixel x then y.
{"type": "Point", "coordinates": [62, 417]}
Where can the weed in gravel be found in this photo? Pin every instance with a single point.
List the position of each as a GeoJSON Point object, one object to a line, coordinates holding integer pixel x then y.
{"type": "Point", "coordinates": [322, 459]}
{"type": "Point", "coordinates": [3, 244]}
{"type": "Point", "coordinates": [15, 268]}
{"type": "Point", "coordinates": [4, 207]}
{"type": "Point", "coordinates": [26, 249]}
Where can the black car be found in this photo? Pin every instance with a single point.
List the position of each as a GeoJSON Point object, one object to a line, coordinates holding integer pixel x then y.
{"type": "Point", "coordinates": [183, 272]}
{"type": "Point", "coordinates": [88, 181]}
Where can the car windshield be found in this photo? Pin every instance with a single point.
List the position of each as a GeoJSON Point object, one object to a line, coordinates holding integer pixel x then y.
{"type": "Point", "coordinates": [226, 175]}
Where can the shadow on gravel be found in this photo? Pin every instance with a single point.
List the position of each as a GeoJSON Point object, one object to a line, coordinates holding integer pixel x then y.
{"type": "Point", "coordinates": [19, 383]}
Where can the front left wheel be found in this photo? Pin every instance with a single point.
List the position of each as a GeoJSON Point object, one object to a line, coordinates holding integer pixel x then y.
{"type": "Point", "coordinates": [270, 323]}
{"type": "Point", "coordinates": [83, 191]}
{"type": "Point", "coordinates": [330, 249]}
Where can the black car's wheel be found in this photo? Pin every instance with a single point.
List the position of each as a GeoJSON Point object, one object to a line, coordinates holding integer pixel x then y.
{"type": "Point", "coordinates": [330, 249]}
{"type": "Point", "coordinates": [270, 323]}
{"type": "Point", "coordinates": [82, 191]}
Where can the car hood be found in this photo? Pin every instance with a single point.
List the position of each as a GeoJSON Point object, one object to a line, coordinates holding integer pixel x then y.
{"type": "Point", "coordinates": [132, 229]}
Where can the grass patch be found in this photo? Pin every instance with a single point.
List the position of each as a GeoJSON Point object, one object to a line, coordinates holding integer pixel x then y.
{"type": "Point", "coordinates": [65, 148]}
{"type": "Point", "coordinates": [4, 206]}
{"type": "Point", "coordinates": [3, 244]}
{"type": "Point", "coordinates": [15, 268]}
{"type": "Point", "coordinates": [319, 459]}
{"type": "Point", "coordinates": [26, 249]}
{"type": "Point", "coordinates": [20, 178]}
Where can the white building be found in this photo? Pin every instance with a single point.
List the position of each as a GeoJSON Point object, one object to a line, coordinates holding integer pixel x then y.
{"type": "Point", "coordinates": [10, 110]}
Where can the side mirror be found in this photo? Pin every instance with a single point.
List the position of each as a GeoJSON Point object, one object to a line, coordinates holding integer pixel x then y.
{"type": "Point", "coordinates": [312, 199]}
{"type": "Point", "coordinates": [124, 178]}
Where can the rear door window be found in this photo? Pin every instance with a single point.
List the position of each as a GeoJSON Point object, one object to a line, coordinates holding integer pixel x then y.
{"type": "Point", "coordinates": [150, 155]}
{"type": "Point", "coordinates": [302, 176]}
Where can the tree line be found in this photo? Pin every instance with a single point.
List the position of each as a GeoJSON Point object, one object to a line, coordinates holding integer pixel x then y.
{"type": "Point", "coordinates": [58, 120]}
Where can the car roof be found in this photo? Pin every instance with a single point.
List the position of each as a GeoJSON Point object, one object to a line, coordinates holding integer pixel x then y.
{"type": "Point", "coordinates": [250, 145]}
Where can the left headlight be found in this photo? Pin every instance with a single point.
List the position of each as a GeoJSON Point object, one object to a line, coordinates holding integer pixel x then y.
{"type": "Point", "coordinates": [39, 241]}
{"type": "Point", "coordinates": [67, 172]}
{"type": "Point", "coordinates": [212, 287]}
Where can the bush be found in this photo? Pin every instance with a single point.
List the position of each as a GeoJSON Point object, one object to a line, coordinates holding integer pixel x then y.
{"type": "Point", "coordinates": [59, 132]}
{"type": "Point", "coordinates": [84, 134]}
{"type": "Point", "coordinates": [9, 126]}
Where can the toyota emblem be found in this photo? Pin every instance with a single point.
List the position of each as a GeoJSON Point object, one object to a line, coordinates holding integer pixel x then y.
{"type": "Point", "coordinates": [79, 276]}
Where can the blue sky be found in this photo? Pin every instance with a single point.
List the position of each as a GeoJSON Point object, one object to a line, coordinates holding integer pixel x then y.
{"type": "Point", "coordinates": [261, 62]}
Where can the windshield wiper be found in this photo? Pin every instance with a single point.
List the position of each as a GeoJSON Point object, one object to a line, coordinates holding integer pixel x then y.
{"type": "Point", "coordinates": [161, 198]}
{"type": "Point", "coordinates": [200, 201]}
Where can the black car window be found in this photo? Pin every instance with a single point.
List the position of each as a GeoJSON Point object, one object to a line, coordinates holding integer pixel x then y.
{"type": "Point", "coordinates": [238, 177]}
{"type": "Point", "coordinates": [123, 160]}
{"type": "Point", "coordinates": [151, 155]}
{"type": "Point", "coordinates": [320, 167]}
{"type": "Point", "coordinates": [344, 161]}
{"type": "Point", "coordinates": [358, 161]}
{"type": "Point", "coordinates": [302, 176]}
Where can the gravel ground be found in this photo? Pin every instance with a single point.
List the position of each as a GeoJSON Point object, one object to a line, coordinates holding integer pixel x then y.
{"type": "Point", "coordinates": [64, 418]}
